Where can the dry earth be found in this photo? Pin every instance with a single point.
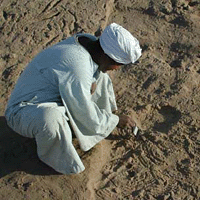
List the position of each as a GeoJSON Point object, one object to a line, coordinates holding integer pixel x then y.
{"type": "Point", "coordinates": [161, 92]}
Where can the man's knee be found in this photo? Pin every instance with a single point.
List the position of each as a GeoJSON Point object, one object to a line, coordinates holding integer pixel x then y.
{"type": "Point", "coordinates": [50, 122]}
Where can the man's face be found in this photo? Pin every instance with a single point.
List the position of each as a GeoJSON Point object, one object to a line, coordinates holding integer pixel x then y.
{"type": "Point", "coordinates": [111, 67]}
{"type": "Point", "coordinates": [108, 64]}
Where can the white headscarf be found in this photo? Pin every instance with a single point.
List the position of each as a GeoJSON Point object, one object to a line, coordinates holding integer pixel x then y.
{"type": "Point", "coordinates": [119, 44]}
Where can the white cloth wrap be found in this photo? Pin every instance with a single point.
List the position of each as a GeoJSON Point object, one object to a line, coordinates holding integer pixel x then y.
{"type": "Point", "coordinates": [119, 44]}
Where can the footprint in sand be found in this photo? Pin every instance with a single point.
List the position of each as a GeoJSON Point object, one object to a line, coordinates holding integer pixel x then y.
{"type": "Point", "coordinates": [171, 117]}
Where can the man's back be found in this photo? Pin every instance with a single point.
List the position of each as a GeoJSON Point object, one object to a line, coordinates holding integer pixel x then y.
{"type": "Point", "coordinates": [39, 81]}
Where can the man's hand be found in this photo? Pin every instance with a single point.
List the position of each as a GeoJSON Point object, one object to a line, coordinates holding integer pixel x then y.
{"type": "Point", "coordinates": [125, 121]}
{"type": "Point", "coordinates": [93, 88]}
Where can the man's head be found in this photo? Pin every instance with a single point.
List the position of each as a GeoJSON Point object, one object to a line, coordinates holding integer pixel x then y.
{"type": "Point", "coordinates": [119, 47]}
{"type": "Point", "coordinates": [106, 63]}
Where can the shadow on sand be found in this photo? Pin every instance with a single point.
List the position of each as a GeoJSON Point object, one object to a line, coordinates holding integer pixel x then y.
{"type": "Point", "coordinates": [18, 153]}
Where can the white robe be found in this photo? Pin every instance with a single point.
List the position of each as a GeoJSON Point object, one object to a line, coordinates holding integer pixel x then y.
{"type": "Point", "coordinates": [53, 91]}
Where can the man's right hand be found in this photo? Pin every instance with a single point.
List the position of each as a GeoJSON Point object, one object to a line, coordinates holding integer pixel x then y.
{"type": "Point", "coordinates": [125, 121]}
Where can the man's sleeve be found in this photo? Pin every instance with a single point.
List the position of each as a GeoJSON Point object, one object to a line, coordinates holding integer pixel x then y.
{"type": "Point", "coordinates": [89, 118]}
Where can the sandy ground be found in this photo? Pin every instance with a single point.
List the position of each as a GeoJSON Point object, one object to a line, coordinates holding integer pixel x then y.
{"type": "Point", "coordinates": [161, 92]}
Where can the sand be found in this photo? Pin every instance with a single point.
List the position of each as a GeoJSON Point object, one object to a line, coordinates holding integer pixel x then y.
{"type": "Point", "coordinates": [161, 92]}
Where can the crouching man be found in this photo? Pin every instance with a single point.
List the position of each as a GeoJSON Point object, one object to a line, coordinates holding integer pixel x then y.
{"type": "Point", "coordinates": [66, 87]}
